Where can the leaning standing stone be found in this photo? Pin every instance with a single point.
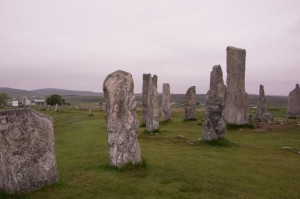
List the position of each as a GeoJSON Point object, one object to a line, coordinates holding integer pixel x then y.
{"type": "Point", "coordinates": [190, 104]}
{"type": "Point", "coordinates": [215, 125]}
{"type": "Point", "coordinates": [165, 104]}
{"type": "Point", "coordinates": [27, 154]}
{"type": "Point", "coordinates": [152, 120]}
{"type": "Point", "coordinates": [121, 119]}
{"type": "Point", "coordinates": [237, 102]}
{"type": "Point", "coordinates": [294, 103]}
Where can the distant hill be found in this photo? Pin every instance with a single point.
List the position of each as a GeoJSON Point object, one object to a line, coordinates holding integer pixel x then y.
{"type": "Point", "coordinates": [38, 93]}
{"type": "Point", "coordinates": [51, 91]}
{"type": "Point", "coordinates": [89, 96]}
{"type": "Point", "coordinates": [18, 93]}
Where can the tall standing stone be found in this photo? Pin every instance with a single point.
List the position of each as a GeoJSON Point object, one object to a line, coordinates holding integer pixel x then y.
{"type": "Point", "coordinates": [190, 104]}
{"type": "Point", "coordinates": [121, 119]}
{"type": "Point", "coordinates": [146, 79]}
{"type": "Point", "coordinates": [165, 105]}
{"type": "Point", "coordinates": [56, 108]}
{"type": "Point", "coordinates": [215, 125]}
{"type": "Point", "coordinates": [27, 154]}
{"type": "Point", "coordinates": [294, 103]}
{"type": "Point", "coordinates": [262, 114]}
{"type": "Point", "coordinates": [152, 120]}
{"type": "Point", "coordinates": [237, 102]}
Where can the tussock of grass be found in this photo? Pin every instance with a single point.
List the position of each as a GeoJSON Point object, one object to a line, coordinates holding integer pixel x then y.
{"type": "Point", "coordinates": [239, 126]}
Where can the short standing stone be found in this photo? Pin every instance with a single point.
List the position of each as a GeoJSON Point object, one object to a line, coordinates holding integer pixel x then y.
{"type": "Point", "coordinates": [152, 120]}
{"type": "Point", "coordinates": [56, 108]}
{"type": "Point", "coordinates": [237, 102]}
{"type": "Point", "coordinates": [27, 154]}
{"type": "Point", "coordinates": [121, 119]}
{"type": "Point", "coordinates": [165, 104]}
{"type": "Point", "coordinates": [294, 103]}
{"type": "Point", "coordinates": [262, 114]}
{"type": "Point", "coordinates": [145, 93]}
{"type": "Point", "coordinates": [190, 104]}
{"type": "Point", "coordinates": [90, 111]}
{"type": "Point", "coordinates": [215, 125]}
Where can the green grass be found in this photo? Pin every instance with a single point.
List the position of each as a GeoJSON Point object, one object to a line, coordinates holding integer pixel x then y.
{"type": "Point", "coordinates": [248, 164]}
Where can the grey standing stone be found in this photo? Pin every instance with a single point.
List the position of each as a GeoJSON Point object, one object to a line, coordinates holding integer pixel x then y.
{"type": "Point", "coordinates": [56, 108]}
{"type": "Point", "coordinates": [146, 79]}
{"type": "Point", "coordinates": [121, 119]}
{"type": "Point", "coordinates": [190, 104]}
{"type": "Point", "coordinates": [262, 114]}
{"type": "Point", "coordinates": [237, 102]}
{"type": "Point", "coordinates": [215, 125]}
{"type": "Point", "coordinates": [90, 111]}
{"type": "Point", "coordinates": [294, 103]}
{"type": "Point", "coordinates": [166, 100]}
{"type": "Point", "coordinates": [27, 154]}
{"type": "Point", "coordinates": [152, 120]}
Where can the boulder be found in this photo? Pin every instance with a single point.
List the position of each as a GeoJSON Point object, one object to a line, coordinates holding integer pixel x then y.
{"type": "Point", "coordinates": [27, 154]}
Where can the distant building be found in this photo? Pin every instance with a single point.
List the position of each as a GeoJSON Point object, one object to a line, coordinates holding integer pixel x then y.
{"type": "Point", "coordinates": [15, 103]}
{"type": "Point", "coordinates": [38, 102]}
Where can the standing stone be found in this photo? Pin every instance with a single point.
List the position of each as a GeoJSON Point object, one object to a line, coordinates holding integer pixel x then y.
{"type": "Point", "coordinates": [237, 102]}
{"type": "Point", "coordinates": [121, 119]}
{"type": "Point", "coordinates": [294, 103]}
{"type": "Point", "coordinates": [262, 114]}
{"type": "Point", "coordinates": [190, 104]}
{"type": "Point", "coordinates": [215, 125]}
{"type": "Point", "coordinates": [27, 154]}
{"type": "Point", "coordinates": [152, 120]}
{"type": "Point", "coordinates": [166, 99]}
{"type": "Point", "coordinates": [90, 111]}
{"type": "Point", "coordinates": [26, 101]}
{"type": "Point", "coordinates": [146, 79]}
{"type": "Point", "coordinates": [56, 108]}
{"type": "Point", "coordinates": [48, 108]}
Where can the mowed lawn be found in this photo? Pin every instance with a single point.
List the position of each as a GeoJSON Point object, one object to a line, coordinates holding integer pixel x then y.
{"type": "Point", "coordinates": [251, 165]}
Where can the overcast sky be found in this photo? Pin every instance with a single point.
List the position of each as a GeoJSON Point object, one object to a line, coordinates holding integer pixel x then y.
{"type": "Point", "coordinates": [75, 44]}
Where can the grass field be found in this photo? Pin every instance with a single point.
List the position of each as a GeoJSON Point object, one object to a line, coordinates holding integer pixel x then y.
{"type": "Point", "coordinates": [252, 164]}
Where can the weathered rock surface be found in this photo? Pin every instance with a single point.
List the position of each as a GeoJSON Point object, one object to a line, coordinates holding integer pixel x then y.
{"type": "Point", "coordinates": [27, 154]}
{"type": "Point", "coordinates": [165, 105]}
{"type": "Point", "coordinates": [214, 122]}
{"type": "Point", "coordinates": [121, 119]}
{"type": "Point", "coordinates": [152, 120]}
{"type": "Point", "coordinates": [190, 104]}
{"type": "Point", "coordinates": [262, 114]}
{"type": "Point", "coordinates": [146, 79]}
{"type": "Point", "coordinates": [237, 102]}
{"type": "Point", "coordinates": [294, 103]}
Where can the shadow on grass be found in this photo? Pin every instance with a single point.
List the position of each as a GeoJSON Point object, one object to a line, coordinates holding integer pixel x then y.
{"type": "Point", "coordinates": [165, 122]}
{"type": "Point", "coordinates": [218, 143]}
{"type": "Point", "coordinates": [239, 126]}
{"type": "Point", "coordinates": [126, 167]}
{"type": "Point", "coordinates": [189, 120]}
{"type": "Point", "coordinates": [156, 131]}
